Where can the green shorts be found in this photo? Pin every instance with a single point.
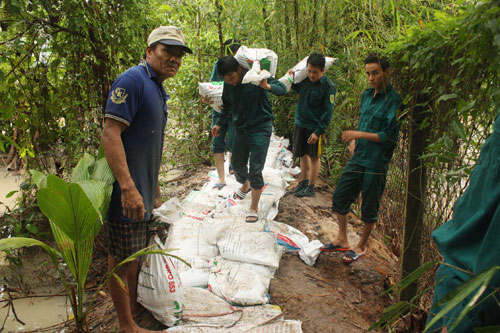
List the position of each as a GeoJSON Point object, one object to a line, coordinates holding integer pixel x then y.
{"type": "Point", "coordinates": [251, 148]}
{"type": "Point", "coordinates": [225, 138]}
{"type": "Point", "coordinates": [355, 179]}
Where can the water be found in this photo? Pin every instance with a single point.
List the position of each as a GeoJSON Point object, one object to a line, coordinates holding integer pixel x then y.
{"type": "Point", "coordinates": [36, 313]}
{"type": "Point", "coordinates": [8, 182]}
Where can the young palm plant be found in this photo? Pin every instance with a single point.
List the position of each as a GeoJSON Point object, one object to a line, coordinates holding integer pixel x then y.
{"type": "Point", "coordinates": [76, 211]}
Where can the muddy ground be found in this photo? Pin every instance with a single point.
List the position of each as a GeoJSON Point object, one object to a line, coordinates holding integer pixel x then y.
{"type": "Point", "coordinates": [328, 297]}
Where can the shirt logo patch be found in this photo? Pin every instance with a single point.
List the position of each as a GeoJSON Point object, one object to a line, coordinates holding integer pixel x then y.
{"type": "Point", "coordinates": [332, 98]}
{"type": "Point", "coordinates": [118, 96]}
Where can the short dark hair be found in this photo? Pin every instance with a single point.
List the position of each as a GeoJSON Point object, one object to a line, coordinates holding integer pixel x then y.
{"type": "Point", "coordinates": [316, 60]}
{"type": "Point", "coordinates": [152, 46]}
{"type": "Point", "coordinates": [378, 59]}
{"type": "Point", "coordinates": [231, 46]}
{"type": "Point", "coordinates": [226, 65]}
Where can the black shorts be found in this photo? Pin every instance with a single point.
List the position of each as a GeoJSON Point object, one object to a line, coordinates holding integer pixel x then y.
{"type": "Point", "coordinates": [300, 145]}
{"type": "Point", "coordinates": [126, 238]}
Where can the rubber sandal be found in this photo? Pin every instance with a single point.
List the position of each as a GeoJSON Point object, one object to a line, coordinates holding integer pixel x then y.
{"type": "Point", "coordinates": [351, 256]}
{"type": "Point", "coordinates": [240, 195]}
{"type": "Point", "coordinates": [251, 217]}
{"type": "Point", "coordinates": [218, 186]}
{"type": "Point", "coordinates": [330, 247]}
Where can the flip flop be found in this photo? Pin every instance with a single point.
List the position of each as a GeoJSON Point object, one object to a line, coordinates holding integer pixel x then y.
{"type": "Point", "coordinates": [251, 217]}
{"type": "Point", "coordinates": [330, 247]}
{"type": "Point", "coordinates": [239, 194]}
{"type": "Point", "coordinates": [219, 186]}
{"type": "Point", "coordinates": [351, 256]}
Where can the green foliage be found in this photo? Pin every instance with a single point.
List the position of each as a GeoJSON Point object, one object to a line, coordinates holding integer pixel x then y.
{"type": "Point", "coordinates": [471, 289]}
{"type": "Point", "coordinates": [57, 61]}
{"type": "Point", "coordinates": [75, 211]}
{"type": "Point", "coordinates": [454, 61]}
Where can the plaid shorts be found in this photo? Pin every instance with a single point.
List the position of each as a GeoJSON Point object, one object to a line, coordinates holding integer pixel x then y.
{"type": "Point", "coordinates": [126, 238]}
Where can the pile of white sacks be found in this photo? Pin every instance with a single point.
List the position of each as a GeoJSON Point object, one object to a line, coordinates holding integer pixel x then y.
{"type": "Point", "coordinates": [231, 261]}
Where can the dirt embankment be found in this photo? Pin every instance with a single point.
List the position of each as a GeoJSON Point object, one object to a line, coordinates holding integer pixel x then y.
{"type": "Point", "coordinates": [328, 297]}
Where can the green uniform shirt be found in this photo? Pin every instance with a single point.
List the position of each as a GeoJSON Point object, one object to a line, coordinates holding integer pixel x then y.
{"type": "Point", "coordinates": [315, 107]}
{"type": "Point", "coordinates": [377, 114]}
{"type": "Point", "coordinates": [215, 77]}
{"type": "Point", "coordinates": [248, 105]}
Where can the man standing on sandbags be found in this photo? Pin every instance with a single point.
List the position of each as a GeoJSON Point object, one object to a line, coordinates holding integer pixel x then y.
{"type": "Point", "coordinates": [226, 132]}
{"type": "Point", "coordinates": [248, 107]}
{"type": "Point", "coordinates": [372, 145]}
{"type": "Point", "coordinates": [132, 138]}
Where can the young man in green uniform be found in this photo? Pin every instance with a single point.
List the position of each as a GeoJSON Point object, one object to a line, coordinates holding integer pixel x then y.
{"type": "Point", "coordinates": [226, 133]}
{"type": "Point", "coordinates": [469, 243]}
{"type": "Point", "coordinates": [366, 171]}
{"type": "Point", "coordinates": [248, 107]}
{"type": "Point", "coordinates": [312, 117]}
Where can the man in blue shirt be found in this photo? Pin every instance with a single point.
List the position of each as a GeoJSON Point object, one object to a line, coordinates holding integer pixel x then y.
{"type": "Point", "coordinates": [132, 138]}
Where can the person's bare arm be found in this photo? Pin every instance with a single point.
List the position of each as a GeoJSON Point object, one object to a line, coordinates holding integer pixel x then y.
{"type": "Point", "coordinates": [353, 135]}
{"type": "Point", "coordinates": [132, 201]}
{"type": "Point", "coordinates": [158, 197]}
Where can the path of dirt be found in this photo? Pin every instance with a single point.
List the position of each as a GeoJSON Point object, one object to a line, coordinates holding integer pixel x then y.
{"type": "Point", "coordinates": [328, 297]}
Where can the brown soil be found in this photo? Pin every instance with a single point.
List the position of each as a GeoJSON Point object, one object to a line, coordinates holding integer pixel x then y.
{"type": "Point", "coordinates": [328, 297]}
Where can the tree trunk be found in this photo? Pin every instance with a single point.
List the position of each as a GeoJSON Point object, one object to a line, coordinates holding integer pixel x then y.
{"type": "Point", "coordinates": [219, 28]}
{"type": "Point", "coordinates": [267, 36]}
{"type": "Point", "coordinates": [415, 197]}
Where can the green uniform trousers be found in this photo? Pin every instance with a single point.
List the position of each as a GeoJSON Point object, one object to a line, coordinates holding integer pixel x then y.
{"type": "Point", "coordinates": [250, 147]}
{"type": "Point", "coordinates": [354, 179]}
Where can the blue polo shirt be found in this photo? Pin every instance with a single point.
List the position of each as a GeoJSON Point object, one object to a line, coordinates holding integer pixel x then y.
{"type": "Point", "coordinates": [137, 98]}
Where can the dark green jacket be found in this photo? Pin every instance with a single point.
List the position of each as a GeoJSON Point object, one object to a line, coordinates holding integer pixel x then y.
{"type": "Point", "coordinates": [315, 107]}
{"type": "Point", "coordinates": [378, 114]}
{"type": "Point", "coordinates": [248, 105]}
{"type": "Point", "coordinates": [470, 240]}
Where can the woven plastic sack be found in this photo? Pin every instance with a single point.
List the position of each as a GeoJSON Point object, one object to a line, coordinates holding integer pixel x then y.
{"type": "Point", "coordinates": [213, 91]}
{"type": "Point", "coordinates": [267, 58]}
{"type": "Point", "coordinates": [300, 70]}
{"type": "Point", "coordinates": [159, 288]}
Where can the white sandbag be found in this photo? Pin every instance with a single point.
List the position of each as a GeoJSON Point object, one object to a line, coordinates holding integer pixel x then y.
{"type": "Point", "coordinates": [202, 307]}
{"type": "Point", "coordinates": [187, 240]}
{"type": "Point", "coordinates": [169, 211]}
{"type": "Point", "coordinates": [300, 70]}
{"type": "Point", "coordinates": [255, 75]}
{"type": "Point", "coordinates": [251, 247]}
{"type": "Point", "coordinates": [310, 252]}
{"type": "Point", "coordinates": [214, 228]}
{"type": "Point", "coordinates": [287, 236]}
{"type": "Point", "coordinates": [213, 91]}
{"type": "Point", "coordinates": [267, 58]}
{"type": "Point", "coordinates": [197, 205]}
{"type": "Point", "coordinates": [159, 288]}
{"type": "Point", "coordinates": [240, 282]}
{"type": "Point", "coordinates": [287, 80]}
{"type": "Point", "coordinates": [196, 275]}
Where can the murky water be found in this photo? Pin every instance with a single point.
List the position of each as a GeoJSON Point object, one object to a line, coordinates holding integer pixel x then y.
{"type": "Point", "coordinates": [36, 313]}
{"type": "Point", "coordinates": [8, 182]}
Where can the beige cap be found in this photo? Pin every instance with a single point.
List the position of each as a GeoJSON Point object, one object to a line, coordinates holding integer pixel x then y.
{"type": "Point", "coordinates": [169, 35]}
